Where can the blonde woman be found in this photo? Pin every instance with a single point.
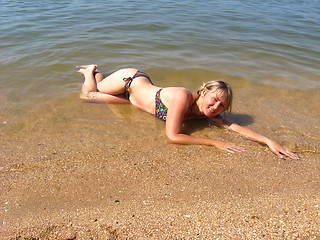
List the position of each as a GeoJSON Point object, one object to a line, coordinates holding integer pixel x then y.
{"type": "Point", "coordinates": [172, 104]}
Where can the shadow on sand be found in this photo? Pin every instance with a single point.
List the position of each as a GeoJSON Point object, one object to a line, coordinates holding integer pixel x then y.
{"type": "Point", "coordinates": [193, 125]}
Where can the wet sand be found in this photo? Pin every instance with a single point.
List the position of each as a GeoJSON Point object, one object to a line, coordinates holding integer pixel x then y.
{"type": "Point", "coordinates": [91, 171]}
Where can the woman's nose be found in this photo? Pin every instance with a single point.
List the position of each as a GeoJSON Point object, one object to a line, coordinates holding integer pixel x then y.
{"type": "Point", "coordinates": [216, 105]}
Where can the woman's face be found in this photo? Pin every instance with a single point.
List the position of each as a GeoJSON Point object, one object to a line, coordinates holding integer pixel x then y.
{"type": "Point", "coordinates": [214, 102]}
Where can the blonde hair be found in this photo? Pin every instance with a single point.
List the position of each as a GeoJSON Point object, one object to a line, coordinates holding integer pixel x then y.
{"type": "Point", "coordinates": [218, 85]}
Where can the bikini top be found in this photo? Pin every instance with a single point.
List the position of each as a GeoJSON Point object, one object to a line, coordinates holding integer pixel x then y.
{"type": "Point", "coordinates": [161, 109]}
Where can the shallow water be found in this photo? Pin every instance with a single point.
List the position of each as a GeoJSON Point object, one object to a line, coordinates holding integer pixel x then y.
{"type": "Point", "coordinates": [268, 51]}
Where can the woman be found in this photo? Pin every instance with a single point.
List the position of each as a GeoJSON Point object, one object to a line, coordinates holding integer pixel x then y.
{"type": "Point", "coordinates": [172, 104]}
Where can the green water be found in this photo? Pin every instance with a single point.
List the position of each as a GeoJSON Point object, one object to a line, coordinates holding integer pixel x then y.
{"type": "Point", "coordinates": [268, 51]}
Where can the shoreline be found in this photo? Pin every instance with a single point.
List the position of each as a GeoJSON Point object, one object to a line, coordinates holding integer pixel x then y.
{"type": "Point", "coordinates": [85, 170]}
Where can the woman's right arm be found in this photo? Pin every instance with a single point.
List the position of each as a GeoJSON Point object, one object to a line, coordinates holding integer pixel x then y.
{"type": "Point", "coordinates": [177, 108]}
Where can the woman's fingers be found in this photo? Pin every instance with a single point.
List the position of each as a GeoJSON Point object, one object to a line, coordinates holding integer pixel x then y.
{"type": "Point", "coordinates": [290, 154]}
{"type": "Point", "coordinates": [280, 151]}
{"type": "Point", "coordinates": [275, 148]}
{"type": "Point", "coordinates": [232, 148]}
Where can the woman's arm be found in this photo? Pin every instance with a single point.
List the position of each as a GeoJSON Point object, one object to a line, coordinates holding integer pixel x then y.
{"type": "Point", "coordinates": [179, 103]}
{"type": "Point", "coordinates": [274, 146]}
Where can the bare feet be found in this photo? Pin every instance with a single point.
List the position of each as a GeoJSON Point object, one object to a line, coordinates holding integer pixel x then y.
{"type": "Point", "coordinates": [87, 69]}
{"type": "Point", "coordinates": [90, 84]}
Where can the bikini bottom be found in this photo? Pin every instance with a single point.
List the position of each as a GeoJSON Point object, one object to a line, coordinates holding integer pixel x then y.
{"type": "Point", "coordinates": [129, 80]}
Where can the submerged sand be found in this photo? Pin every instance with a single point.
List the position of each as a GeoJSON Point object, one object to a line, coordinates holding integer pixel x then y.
{"type": "Point", "coordinates": [90, 171]}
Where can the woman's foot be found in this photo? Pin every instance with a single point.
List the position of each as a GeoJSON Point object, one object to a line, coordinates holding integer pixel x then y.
{"type": "Point", "coordinates": [90, 84]}
{"type": "Point", "coordinates": [84, 69]}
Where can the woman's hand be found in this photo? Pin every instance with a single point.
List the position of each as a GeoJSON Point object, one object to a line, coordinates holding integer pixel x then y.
{"type": "Point", "coordinates": [280, 150]}
{"type": "Point", "coordinates": [229, 147]}
{"type": "Point", "coordinates": [274, 146]}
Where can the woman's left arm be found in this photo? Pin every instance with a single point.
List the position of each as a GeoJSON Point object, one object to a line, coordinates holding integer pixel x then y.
{"type": "Point", "coordinates": [273, 145]}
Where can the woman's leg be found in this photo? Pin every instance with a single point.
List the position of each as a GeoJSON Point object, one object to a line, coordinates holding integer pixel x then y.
{"type": "Point", "coordinates": [114, 84]}
{"type": "Point", "coordinates": [89, 72]}
{"type": "Point", "coordinates": [90, 92]}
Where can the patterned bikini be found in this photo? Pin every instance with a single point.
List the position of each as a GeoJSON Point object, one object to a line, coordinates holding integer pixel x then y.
{"type": "Point", "coordinates": [129, 80]}
{"type": "Point", "coordinates": [161, 109]}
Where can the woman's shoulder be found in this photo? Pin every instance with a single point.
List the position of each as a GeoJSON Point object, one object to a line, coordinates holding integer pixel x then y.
{"type": "Point", "coordinates": [177, 90]}
{"type": "Point", "coordinates": [179, 93]}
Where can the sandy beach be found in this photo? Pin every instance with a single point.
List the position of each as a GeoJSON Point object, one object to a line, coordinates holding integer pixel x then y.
{"type": "Point", "coordinates": [73, 170]}
{"type": "Point", "coordinates": [91, 171]}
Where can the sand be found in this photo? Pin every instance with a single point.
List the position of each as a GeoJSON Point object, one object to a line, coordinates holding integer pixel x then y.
{"type": "Point", "coordinates": [90, 171]}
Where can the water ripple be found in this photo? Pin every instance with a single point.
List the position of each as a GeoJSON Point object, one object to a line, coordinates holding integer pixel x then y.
{"type": "Point", "coordinates": [257, 41]}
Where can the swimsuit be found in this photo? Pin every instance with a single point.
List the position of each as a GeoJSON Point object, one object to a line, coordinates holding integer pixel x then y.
{"type": "Point", "coordinates": [161, 109]}
{"type": "Point", "coordinates": [129, 80]}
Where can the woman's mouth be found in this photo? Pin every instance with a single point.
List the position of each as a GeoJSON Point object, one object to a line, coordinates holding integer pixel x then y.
{"type": "Point", "coordinates": [211, 110]}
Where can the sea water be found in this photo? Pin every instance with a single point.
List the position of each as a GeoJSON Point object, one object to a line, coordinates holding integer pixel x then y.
{"type": "Point", "coordinates": [268, 51]}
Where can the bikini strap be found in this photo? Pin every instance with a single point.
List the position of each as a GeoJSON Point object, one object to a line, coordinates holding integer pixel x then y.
{"type": "Point", "coordinates": [191, 102]}
{"type": "Point", "coordinates": [141, 74]}
{"type": "Point", "coordinates": [129, 80]}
